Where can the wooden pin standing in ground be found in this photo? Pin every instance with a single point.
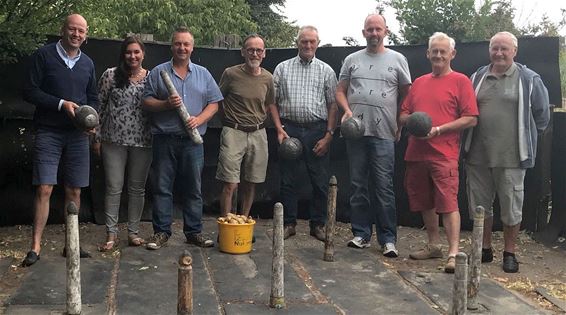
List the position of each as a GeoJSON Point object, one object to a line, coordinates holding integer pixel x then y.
{"type": "Point", "coordinates": [474, 269]}
{"type": "Point", "coordinates": [277, 298]}
{"type": "Point", "coordinates": [460, 292]}
{"type": "Point", "coordinates": [185, 284]}
{"type": "Point", "coordinates": [73, 260]}
{"type": "Point", "coordinates": [331, 220]}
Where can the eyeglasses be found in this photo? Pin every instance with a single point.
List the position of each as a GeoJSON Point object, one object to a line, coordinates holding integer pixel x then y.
{"type": "Point", "coordinates": [252, 51]}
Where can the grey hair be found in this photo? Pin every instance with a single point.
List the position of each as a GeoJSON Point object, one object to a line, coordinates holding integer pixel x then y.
{"type": "Point", "coordinates": [304, 29]}
{"type": "Point", "coordinates": [508, 34]}
{"type": "Point", "coordinates": [440, 35]}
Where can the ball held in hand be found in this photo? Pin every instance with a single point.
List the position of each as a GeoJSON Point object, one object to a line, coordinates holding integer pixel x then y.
{"type": "Point", "coordinates": [352, 128]}
{"type": "Point", "coordinates": [290, 149]}
{"type": "Point", "coordinates": [419, 124]}
{"type": "Point", "coordinates": [86, 117]}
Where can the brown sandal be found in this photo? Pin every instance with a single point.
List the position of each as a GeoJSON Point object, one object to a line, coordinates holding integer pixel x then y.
{"type": "Point", "coordinates": [111, 242]}
{"type": "Point", "coordinates": [135, 240]}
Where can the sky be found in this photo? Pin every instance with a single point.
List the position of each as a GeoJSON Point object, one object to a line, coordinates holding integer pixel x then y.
{"type": "Point", "coordinates": [338, 18]}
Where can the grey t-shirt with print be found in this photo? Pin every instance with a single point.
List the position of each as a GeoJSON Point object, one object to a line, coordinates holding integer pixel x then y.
{"type": "Point", "coordinates": [374, 89]}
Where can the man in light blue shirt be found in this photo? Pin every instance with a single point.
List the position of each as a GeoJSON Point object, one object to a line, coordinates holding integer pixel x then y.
{"type": "Point", "coordinates": [175, 155]}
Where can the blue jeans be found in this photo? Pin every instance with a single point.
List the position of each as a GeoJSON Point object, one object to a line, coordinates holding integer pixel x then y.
{"type": "Point", "coordinates": [176, 157]}
{"type": "Point", "coordinates": [372, 196]}
{"type": "Point", "coordinates": [317, 169]}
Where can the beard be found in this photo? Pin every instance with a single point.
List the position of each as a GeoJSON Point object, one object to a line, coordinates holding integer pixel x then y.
{"type": "Point", "coordinates": [254, 63]}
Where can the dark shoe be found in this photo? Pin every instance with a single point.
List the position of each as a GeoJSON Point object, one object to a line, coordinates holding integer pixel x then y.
{"type": "Point", "coordinates": [510, 263]}
{"type": "Point", "coordinates": [157, 240]}
{"type": "Point", "coordinates": [486, 255]}
{"type": "Point", "coordinates": [288, 231]}
{"type": "Point", "coordinates": [31, 258]}
{"type": "Point", "coordinates": [199, 240]}
{"type": "Point", "coordinates": [82, 253]}
{"type": "Point", "coordinates": [318, 232]}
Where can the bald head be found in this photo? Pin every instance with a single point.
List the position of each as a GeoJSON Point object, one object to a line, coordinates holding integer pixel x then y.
{"type": "Point", "coordinates": [375, 17]}
{"type": "Point", "coordinates": [73, 33]}
{"type": "Point", "coordinates": [75, 19]}
{"type": "Point", "coordinates": [374, 32]}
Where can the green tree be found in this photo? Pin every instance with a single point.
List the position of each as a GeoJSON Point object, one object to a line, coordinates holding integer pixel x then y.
{"type": "Point", "coordinates": [113, 19]}
{"type": "Point", "coordinates": [458, 18]}
{"type": "Point", "coordinates": [23, 25]}
{"type": "Point", "coordinates": [272, 24]}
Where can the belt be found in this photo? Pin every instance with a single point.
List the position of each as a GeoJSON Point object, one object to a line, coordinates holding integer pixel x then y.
{"type": "Point", "coordinates": [245, 128]}
{"type": "Point", "coordinates": [307, 125]}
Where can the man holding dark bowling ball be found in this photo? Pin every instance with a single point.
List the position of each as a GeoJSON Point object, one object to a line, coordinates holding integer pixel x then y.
{"type": "Point", "coordinates": [431, 176]}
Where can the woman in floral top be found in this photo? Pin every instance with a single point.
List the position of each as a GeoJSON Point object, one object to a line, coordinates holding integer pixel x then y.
{"type": "Point", "coordinates": [124, 139]}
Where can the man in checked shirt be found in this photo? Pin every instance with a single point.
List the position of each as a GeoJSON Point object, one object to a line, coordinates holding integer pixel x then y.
{"type": "Point", "coordinates": [305, 97]}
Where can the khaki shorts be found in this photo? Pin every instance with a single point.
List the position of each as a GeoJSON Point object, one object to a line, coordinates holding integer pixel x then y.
{"type": "Point", "coordinates": [484, 182]}
{"type": "Point", "coordinates": [242, 150]}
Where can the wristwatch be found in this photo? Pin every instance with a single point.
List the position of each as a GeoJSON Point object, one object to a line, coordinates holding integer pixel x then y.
{"type": "Point", "coordinates": [330, 131]}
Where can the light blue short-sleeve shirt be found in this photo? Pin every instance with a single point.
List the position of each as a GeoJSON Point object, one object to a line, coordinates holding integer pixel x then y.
{"type": "Point", "coordinates": [197, 90]}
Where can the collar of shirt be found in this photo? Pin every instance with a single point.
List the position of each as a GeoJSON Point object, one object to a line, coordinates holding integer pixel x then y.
{"type": "Point", "coordinates": [189, 67]}
{"type": "Point", "coordinates": [305, 62]}
{"type": "Point", "coordinates": [70, 62]}
{"type": "Point", "coordinates": [507, 73]}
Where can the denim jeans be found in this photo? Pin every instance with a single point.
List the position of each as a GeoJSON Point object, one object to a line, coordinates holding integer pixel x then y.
{"type": "Point", "coordinates": [119, 160]}
{"type": "Point", "coordinates": [317, 169]}
{"type": "Point", "coordinates": [372, 197]}
{"type": "Point", "coordinates": [176, 159]}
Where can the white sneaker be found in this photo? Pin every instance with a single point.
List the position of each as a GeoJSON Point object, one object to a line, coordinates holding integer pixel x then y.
{"type": "Point", "coordinates": [358, 242]}
{"type": "Point", "coordinates": [389, 250]}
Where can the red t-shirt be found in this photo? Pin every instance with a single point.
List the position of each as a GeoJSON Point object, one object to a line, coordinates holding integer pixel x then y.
{"type": "Point", "coordinates": [445, 99]}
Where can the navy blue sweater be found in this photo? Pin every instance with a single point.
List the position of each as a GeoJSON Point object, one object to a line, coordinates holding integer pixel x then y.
{"type": "Point", "coordinates": [48, 80]}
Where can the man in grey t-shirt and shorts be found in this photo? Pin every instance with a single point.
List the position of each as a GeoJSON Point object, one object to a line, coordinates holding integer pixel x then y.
{"type": "Point", "coordinates": [514, 108]}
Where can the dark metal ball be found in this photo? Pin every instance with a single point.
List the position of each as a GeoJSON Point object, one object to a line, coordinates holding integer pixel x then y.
{"type": "Point", "coordinates": [291, 149]}
{"type": "Point", "coordinates": [419, 124]}
{"type": "Point", "coordinates": [86, 117]}
{"type": "Point", "coordinates": [352, 128]}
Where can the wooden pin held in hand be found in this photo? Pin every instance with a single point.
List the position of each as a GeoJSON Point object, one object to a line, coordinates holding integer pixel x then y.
{"type": "Point", "coordinates": [181, 110]}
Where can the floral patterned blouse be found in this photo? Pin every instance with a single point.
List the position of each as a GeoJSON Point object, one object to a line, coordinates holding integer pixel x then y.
{"type": "Point", "coordinates": [122, 120]}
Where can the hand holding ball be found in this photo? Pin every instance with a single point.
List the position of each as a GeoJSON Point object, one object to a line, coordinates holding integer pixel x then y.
{"type": "Point", "coordinates": [352, 128]}
{"type": "Point", "coordinates": [86, 117]}
{"type": "Point", "coordinates": [419, 124]}
{"type": "Point", "coordinates": [290, 149]}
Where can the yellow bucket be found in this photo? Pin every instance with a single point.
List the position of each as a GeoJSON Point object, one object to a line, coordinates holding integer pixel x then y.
{"type": "Point", "coordinates": [235, 238]}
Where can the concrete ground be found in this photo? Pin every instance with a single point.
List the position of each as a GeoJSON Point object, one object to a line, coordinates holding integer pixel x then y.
{"type": "Point", "coordinates": [133, 280]}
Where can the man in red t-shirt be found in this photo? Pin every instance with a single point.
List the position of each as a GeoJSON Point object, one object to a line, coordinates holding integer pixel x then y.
{"type": "Point", "coordinates": [431, 177]}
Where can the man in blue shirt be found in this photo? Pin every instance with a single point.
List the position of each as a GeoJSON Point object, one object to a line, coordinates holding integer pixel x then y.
{"type": "Point", "coordinates": [175, 155]}
{"type": "Point", "coordinates": [59, 78]}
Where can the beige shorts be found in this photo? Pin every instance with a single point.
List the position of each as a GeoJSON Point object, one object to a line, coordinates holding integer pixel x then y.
{"type": "Point", "coordinates": [484, 182]}
{"type": "Point", "coordinates": [242, 150]}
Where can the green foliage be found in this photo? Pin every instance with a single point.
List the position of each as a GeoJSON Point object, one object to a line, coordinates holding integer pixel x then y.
{"type": "Point", "coordinates": [113, 19]}
{"type": "Point", "coordinates": [271, 24]}
{"type": "Point", "coordinates": [459, 19]}
{"type": "Point", "coordinates": [23, 25]}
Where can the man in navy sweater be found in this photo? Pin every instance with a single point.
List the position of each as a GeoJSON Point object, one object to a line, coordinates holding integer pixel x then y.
{"type": "Point", "coordinates": [59, 78]}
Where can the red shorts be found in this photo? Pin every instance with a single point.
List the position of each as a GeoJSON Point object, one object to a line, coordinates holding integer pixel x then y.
{"type": "Point", "coordinates": [432, 185]}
